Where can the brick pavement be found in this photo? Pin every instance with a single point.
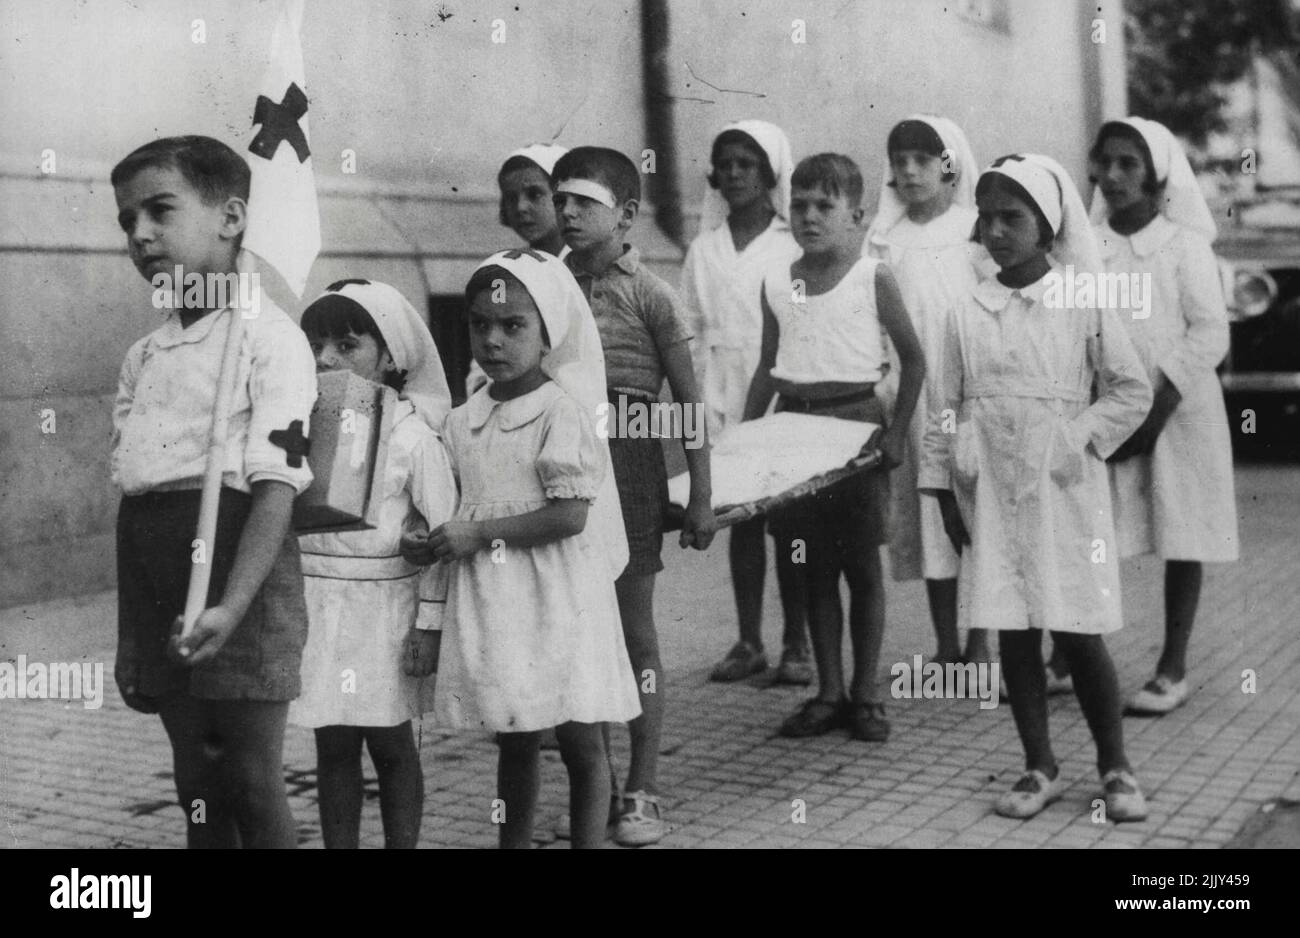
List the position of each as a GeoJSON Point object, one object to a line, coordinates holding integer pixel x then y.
{"type": "Point", "coordinates": [71, 777]}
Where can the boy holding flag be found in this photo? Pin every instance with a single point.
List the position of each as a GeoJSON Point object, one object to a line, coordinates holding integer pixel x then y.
{"type": "Point", "coordinates": [215, 402]}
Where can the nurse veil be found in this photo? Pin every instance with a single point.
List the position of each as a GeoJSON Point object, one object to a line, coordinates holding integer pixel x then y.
{"type": "Point", "coordinates": [576, 362]}
{"type": "Point", "coordinates": [1074, 243]}
{"type": "Point", "coordinates": [890, 209]}
{"type": "Point", "coordinates": [777, 147]}
{"type": "Point", "coordinates": [1182, 201]}
{"type": "Point", "coordinates": [409, 343]}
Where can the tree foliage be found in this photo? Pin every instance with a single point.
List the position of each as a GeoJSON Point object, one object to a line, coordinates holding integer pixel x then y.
{"type": "Point", "coordinates": [1180, 51]}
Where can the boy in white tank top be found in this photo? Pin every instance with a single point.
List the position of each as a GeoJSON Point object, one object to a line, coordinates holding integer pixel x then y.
{"type": "Point", "coordinates": [822, 320]}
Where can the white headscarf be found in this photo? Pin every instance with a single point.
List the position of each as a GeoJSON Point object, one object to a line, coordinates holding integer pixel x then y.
{"type": "Point", "coordinates": [891, 208]}
{"type": "Point", "coordinates": [1053, 191]}
{"type": "Point", "coordinates": [409, 343]}
{"type": "Point", "coordinates": [777, 147]}
{"type": "Point", "coordinates": [576, 362]}
{"type": "Point", "coordinates": [545, 155]}
{"type": "Point", "coordinates": [1183, 203]}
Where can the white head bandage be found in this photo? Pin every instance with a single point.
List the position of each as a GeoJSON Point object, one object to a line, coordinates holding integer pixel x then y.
{"type": "Point", "coordinates": [589, 188]}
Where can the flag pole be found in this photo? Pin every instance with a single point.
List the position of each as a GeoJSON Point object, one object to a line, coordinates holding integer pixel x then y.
{"type": "Point", "coordinates": [203, 549]}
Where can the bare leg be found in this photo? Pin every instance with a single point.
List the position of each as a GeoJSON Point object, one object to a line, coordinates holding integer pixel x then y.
{"type": "Point", "coordinates": [636, 608]}
{"type": "Point", "coordinates": [518, 779]}
{"type": "Point", "coordinates": [866, 622]}
{"type": "Point", "coordinates": [196, 755]}
{"type": "Point", "coordinates": [583, 751]}
{"type": "Point", "coordinates": [252, 734]}
{"type": "Point", "coordinates": [401, 783]}
{"type": "Point", "coordinates": [748, 556]}
{"type": "Point", "coordinates": [338, 785]}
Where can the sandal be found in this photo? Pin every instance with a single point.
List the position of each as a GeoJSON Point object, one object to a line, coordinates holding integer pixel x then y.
{"type": "Point", "coordinates": [816, 717]}
{"type": "Point", "coordinates": [636, 828]}
{"type": "Point", "coordinates": [1032, 793]}
{"type": "Point", "coordinates": [867, 721]}
{"type": "Point", "coordinates": [1158, 697]}
{"type": "Point", "coordinates": [1124, 798]}
{"type": "Point", "coordinates": [742, 661]}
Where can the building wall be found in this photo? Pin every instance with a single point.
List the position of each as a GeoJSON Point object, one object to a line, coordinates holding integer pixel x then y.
{"type": "Point", "coordinates": [430, 106]}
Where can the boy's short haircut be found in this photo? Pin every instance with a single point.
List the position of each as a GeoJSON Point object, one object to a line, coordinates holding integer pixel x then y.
{"type": "Point", "coordinates": [737, 136]}
{"type": "Point", "coordinates": [990, 183]}
{"type": "Point", "coordinates": [833, 173]}
{"type": "Point", "coordinates": [214, 170]}
{"type": "Point", "coordinates": [608, 167]}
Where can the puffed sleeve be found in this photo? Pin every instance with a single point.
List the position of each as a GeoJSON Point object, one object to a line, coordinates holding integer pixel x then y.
{"type": "Point", "coordinates": [282, 389]}
{"type": "Point", "coordinates": [572, 460]}
{"type": "Point", "coordinates": [945, 397]}
{"type": "Point", "coordinates": [1204, 342]}
{"type": "Point", "coordinates": [1125, 388]}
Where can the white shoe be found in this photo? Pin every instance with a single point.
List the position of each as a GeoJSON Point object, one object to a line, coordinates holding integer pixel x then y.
{"type": "Point", "coordinates": [1158, 697]}
{"type": "Point", "coordinates": [1033, 792]}
{"type": "Point", "coordinates": [1124, 798]}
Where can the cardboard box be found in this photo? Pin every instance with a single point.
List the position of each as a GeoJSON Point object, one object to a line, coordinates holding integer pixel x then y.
{"type": "Point", "coordinates": [350, 428]}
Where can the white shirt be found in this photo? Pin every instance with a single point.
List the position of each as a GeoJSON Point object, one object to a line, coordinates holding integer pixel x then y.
{"type": "Point", "coordinates": [167, 392]}
{"type": "Point", "coordinates": [834, 336]}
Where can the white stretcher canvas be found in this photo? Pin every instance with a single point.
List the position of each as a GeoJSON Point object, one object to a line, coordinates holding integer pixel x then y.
{"type": "Point", "coordinates": [761, 460]}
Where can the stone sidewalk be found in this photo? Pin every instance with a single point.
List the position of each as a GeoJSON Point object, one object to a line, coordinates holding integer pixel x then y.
{"type": "Point", "coordinates": [75, 777]}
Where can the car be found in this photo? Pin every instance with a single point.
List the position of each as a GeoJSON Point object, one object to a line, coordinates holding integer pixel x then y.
{"type": "Point", "coordinates": [1259, 261]}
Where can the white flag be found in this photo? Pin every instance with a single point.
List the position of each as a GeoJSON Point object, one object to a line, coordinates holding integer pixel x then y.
{"type": "Point", "coordinates": [283, 220]}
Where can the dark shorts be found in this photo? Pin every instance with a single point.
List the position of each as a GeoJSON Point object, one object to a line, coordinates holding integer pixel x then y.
{"type": "Point", "coordinates": [261, 659]}
{"type": "Point", "coordinates": [845, 519]}
{"type": "Point", "coordinates": [642, 480]}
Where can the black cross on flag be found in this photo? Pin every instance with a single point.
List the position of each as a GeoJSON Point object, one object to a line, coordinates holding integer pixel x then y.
{"type": "Point", "coordinates": [280, 124]}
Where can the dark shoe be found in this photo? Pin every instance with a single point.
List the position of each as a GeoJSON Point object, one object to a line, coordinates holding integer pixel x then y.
{"type": "Point", "coordinates": [867, 722]}
{"type": "Point", "coordinates": [742, 661]}
{"type": "Point", "coordinates": [814, 718]}
{"type": "Point", "coordinates": [796, 667]}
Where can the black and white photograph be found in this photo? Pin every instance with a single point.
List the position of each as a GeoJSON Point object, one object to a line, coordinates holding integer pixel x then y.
{"type": "Point", "coordinates": [658, 424]}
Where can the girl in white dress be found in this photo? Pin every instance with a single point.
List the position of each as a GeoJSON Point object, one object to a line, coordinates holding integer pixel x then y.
{"type": "Point", "coordinates": [922, 230]}
{"type": "Point", "coordinates": [374, 617]}
{"type": "Point", "coordinates": [537, 544]}
{"type": "Point", "coordinates": [1172, 479]}
{"type": "Point", "coordinates": [744, 232]}
{"type": "Point", "coordinates": [1021, 483]}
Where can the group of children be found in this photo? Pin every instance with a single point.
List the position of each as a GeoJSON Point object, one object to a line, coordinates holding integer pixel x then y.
{"type": "Point", "coordinates": [516, 549]}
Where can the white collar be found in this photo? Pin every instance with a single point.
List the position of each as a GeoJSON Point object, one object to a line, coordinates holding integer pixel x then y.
{"type": "Point", "coordinates": [515, 412]}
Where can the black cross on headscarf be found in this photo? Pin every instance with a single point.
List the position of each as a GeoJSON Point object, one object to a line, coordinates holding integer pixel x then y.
{"type": "Point", "coordinates": [280, 123]}
{"type": "Point", "coordinates": [291, 440]}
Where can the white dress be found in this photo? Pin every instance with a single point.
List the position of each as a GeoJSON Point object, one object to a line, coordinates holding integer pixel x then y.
{"type": "Point", "coordinates": [534, 638]}
{"type": "Point", "coordinates": [721, 290]}
{"type": "Point", "coordinates": [1179, 500]}
{"type": "Point", "coordinates": [936, 265]}
{"type": "Point", "coordinates": [363, 598]}
{"type": "Point", "coordinates": [1026, 460]}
